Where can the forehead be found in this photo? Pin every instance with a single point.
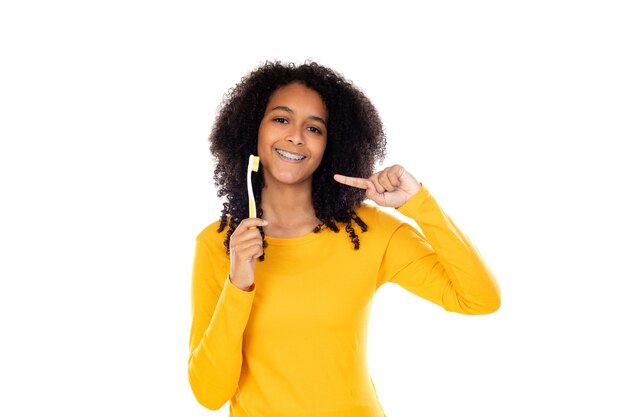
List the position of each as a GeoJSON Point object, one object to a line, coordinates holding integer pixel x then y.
{"type": "Point", "coordinates": [298, 97]}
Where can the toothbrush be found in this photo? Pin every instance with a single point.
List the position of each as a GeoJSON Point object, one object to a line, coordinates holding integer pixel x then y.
{"type": "Point", "coordinates": [253, 165]}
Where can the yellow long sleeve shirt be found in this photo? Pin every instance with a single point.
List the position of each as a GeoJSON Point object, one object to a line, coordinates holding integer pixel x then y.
{"type": "Point", "coordinates": [295, 346]}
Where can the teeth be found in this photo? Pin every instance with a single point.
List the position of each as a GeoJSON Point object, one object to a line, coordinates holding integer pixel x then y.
{"type": "Point", "coordinates": [290, 155]}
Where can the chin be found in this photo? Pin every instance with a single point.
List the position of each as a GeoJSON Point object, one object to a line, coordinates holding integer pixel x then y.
{"type": "Point", "coordinates": [288, 179]}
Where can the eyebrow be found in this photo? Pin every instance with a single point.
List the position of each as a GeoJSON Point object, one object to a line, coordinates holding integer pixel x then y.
{"type": "Point", "coordinates": [288, 110]}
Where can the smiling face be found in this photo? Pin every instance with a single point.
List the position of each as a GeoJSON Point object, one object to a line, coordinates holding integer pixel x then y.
{"type": "Point", "coordinates": [292, 135]}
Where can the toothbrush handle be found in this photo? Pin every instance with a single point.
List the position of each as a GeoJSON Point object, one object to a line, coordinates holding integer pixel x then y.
{"type": "Point", "coordinates": [251, 207]}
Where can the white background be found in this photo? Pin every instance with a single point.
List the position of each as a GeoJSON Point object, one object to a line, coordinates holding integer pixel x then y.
{"type": "Point", "coordinates": [509, 112]}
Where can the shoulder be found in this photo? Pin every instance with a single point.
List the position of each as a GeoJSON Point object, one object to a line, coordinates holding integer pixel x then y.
{"type": "Point", "coordinates": [377, 219]}
{"type": "Point", "coordinates": [211, 238]}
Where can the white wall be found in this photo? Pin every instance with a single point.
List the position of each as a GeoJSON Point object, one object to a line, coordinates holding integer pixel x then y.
{"type": "Point", "coordinates": [510, 113]}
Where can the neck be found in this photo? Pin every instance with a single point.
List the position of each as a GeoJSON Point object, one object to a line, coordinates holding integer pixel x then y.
{"type": "Point", "coordinates": [288, 209]}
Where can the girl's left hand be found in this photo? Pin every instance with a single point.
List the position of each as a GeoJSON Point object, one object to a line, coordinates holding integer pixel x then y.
{"type": "Point", "coordinates": [391, 187]}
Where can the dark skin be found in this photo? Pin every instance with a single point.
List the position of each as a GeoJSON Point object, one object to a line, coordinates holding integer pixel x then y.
{"type": "Point", "coordinates": [291, 144]}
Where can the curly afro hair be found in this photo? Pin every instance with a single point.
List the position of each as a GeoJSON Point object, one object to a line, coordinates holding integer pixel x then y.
{"type": "Point", "coordinates": [355, 142]}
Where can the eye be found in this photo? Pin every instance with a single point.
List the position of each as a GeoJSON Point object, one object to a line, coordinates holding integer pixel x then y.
{"type": "Point", "coordinates": [280, 120]}
{"type": "Point", "coordinates": [314, 130]}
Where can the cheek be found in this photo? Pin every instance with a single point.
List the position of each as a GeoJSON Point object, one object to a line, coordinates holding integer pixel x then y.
{"type": "Point", "coordinates": [261, 135]}
{"type": "Point", "coordinates": [262, 140]}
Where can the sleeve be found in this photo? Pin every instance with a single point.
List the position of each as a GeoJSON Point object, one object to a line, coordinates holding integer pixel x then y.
{"type": "Point", "coordinates": [220, 312]}
{"type": "Point", "coordinates": [443, 266]}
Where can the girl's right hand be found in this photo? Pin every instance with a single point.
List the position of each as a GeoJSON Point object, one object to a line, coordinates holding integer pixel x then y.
{"type": "Point", "coordinates": [246, 245]}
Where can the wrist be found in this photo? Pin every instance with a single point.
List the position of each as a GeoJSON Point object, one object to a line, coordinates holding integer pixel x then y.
{"type": "Point", "coordinates": [246, 288]}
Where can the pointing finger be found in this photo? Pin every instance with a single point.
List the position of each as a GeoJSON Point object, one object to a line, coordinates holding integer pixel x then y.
{"type": "Point", "coordinates": [351, 181]}
{"type": "Point", "coordinates": [371, 192]}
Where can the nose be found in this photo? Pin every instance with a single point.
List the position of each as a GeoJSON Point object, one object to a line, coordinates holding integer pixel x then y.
{"type": "Point", "coordinates": [295, 140]}
{"type": "Point", "coordinates": [295, 137]}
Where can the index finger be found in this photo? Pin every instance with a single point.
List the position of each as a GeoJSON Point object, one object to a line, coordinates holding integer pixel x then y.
{"type": "Point", "coordinates": [351, 181]}
{"type": "Point", "coordinates": [251, 223]}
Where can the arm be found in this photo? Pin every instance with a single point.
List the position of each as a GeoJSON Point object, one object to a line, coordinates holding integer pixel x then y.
{"type": "Point", "coordinates": [220, 312]}
{"type": "Point", "coordinates": [443, 266]}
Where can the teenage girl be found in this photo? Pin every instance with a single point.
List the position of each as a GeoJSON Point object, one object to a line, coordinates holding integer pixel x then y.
{"type": "Point", "coordinates": [281, 301]}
